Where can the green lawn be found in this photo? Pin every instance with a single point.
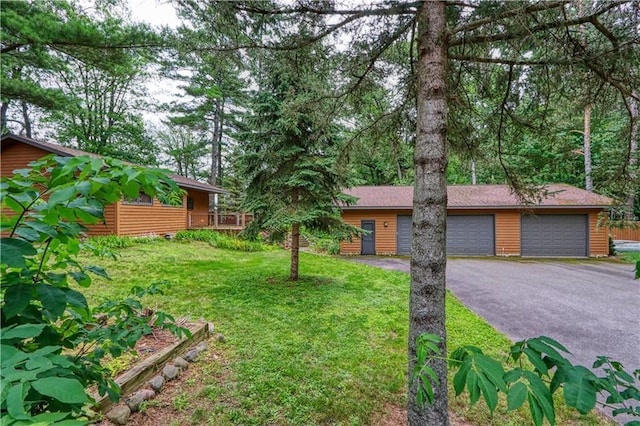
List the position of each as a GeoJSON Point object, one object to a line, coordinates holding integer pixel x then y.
{"type": "Point", "coordinates": [329, 349]}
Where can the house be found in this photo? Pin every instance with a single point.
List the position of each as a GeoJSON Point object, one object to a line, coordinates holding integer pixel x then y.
{"type": "Point", "coordinates": [142, 216]}
{"type": "Point", "coordinates": [484, 220]}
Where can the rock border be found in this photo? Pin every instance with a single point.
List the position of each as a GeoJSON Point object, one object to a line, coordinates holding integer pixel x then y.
{"type": "Point", "coordinates": [139, 375]}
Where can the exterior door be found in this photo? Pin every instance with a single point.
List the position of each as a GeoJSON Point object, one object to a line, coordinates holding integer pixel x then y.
{"type": "Point", "coordinates": [369, 240]}
{"type": "Point", "coordinates": [405, 234]}
{"type": "Point", "coordinates": [555, 235]}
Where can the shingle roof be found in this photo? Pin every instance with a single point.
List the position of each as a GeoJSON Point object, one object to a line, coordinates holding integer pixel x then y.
{"type": "Point", "coordinates": [64, 151]}
{"type": "Point", "coordinates": [474, 196]}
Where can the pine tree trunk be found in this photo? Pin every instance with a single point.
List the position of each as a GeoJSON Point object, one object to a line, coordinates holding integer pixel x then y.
{"type": "Point", "coordinates": [428, 256]}
{"type": "Point", "coordinates": [3, 117]}
{"type": "Point", "coordinates": [633, 158]}
{"type": "Point", "coordinates": [588, 183]}
{"type": "Point", "coordinates": [295, 240]}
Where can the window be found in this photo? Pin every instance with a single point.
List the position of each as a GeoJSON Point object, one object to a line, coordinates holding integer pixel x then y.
{"type": "Point", "coordinates": [189, 203]}
{"type": "Point", "coordinates": [142, 200]}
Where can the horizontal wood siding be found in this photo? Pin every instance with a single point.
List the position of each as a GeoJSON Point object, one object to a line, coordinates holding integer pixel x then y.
{"type": "Point", "coordinates": [630, 233]}
{"type": "Point", "coordinates": [386, 237]}
{"type": "Point", "coordinates": [507, 233]}
{"type": "Point", "coordinates": [18, 156]}
{"type": "Point", "coordinates": [200, 213]}
{"type": "Point", "coordinates": [598, 236]}
{"type": "Point", "coordinates": [156, 219]}
{"type": "Point", "coordinates": [109, 226]}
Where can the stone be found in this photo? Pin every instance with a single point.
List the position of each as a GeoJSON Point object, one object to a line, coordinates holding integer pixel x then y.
{"type": "Point", "coordinates": [119, 414]}
{"type": "Point", "coordinates": [201, 347]}
{"type": "Point", "coordinates": [220, 338]}
{"type": "Point", "coordinates": [191, 355]}
{"type": "Point", "coordinates": [181, 363]}
{"type": "Point", "coordinates": [210, 327]}
{"type": "Point", "coordinates": [138, 398]}
{"type": "Point", "coordinates": [156, 383]}
{"type": "Point", "coordinates": [170, 371]}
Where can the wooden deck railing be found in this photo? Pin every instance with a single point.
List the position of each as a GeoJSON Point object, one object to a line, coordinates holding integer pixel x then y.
{"type": "Point", "coordinates": [227, 220]}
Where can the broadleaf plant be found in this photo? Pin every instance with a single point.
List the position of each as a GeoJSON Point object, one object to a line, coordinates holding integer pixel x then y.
{"type": "Point", "coordinates": [545, 371]}
{"type": "Point", "coordinates": [52, 340]}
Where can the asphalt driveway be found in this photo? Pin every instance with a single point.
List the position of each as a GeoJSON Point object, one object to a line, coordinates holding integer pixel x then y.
{"type": "Point", "coordinates": [592, 307]}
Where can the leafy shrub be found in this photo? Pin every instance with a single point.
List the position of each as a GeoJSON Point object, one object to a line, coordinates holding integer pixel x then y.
{"type": "Point", "coordinates": [222, 241]}
{"type": "Point", "coordinates": [534, 382]}
{"type": "Point", "coordinates": [52, 343]}
{"type": "Point", "coordinates": [323, 242]}
{"type": "Point", "coordinates": [115, 242]}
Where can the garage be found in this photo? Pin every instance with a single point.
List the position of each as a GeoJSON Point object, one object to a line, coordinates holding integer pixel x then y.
{"type": "Point", "coordinates": [555, 235]}
{"type": "Point", "coordinates": [471, 235]}
{"type": "Point", "coordinates": [467, 235]}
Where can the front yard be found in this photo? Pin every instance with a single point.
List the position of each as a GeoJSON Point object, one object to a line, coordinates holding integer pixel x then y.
{"type": "Point", "coordinates": [329, 349]}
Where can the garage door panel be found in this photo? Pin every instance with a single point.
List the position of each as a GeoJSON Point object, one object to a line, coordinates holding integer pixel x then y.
{"type": "Point", "coordinates": [471, 235]}
{"type": "Point", "coordinates": [554, 235]}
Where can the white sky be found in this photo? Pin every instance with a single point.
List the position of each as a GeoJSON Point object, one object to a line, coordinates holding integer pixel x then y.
{"type": "Point", "coordinates": [154, 12]}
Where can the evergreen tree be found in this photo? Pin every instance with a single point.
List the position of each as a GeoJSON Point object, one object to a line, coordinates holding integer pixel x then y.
{"type": "Point", "coordinates": [289, 156]}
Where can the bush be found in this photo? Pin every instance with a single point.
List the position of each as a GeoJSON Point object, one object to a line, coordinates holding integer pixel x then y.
{"type": "Point", "coordinates": [323, 242]}
{"type": "Point", "coordinates": [52, 343]}
{"type": "Point", "coordinates": [222, 241]}
{"type": "Point", "coordinates": [115, 242]}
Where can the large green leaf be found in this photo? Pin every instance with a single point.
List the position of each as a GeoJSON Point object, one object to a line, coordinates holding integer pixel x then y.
{"type": "Point", "coordinates": [13, 252]}
{"type": "Point", "coordinates": [69, 391]}
{"type": "Point", "coordinates": [53, 299]}
{"type": "Point", "coordinates": [15, 401]}
{"type": "Point", "coordinates": [516, 396]}
{"type": "Point", "coordinates": [579, 390]}
{"type": "Point", "coordinates": [24, 331]}
{"type": "Point", "coordinates": [17, 298]}
{"type": "Point", "coordinates": [75, 298]}
{"type": "Point", "coordinates": [493, 370]}
{"type": "Point", "coordinates": [62, 195]}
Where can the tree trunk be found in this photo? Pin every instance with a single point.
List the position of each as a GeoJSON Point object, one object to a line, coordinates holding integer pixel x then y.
{"type": "Point", "coordinates": [25, 119]}
{"type": "Point", "coordinates": [215, 143]}
{"type": "Point", "coordinates": [588, 183]}
{"type": "Point", "coordinates": [3, 117]}
{"type": "Point", "coordinates": [633, 155]}
{"type": "Point", "coordinates": [295, 240]}
{"type": "Point", "coordinates": [428, 251]}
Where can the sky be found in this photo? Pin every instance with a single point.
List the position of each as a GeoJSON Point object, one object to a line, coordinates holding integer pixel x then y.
{"type": "Point", "coordinates": [154, 12]}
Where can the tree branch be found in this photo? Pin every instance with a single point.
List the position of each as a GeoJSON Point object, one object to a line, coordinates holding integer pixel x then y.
{"type": "Point", "coordinates": [512, 62]}
{"type": "Point", "coordinates": [483, 39]}
{"type": "Point", "coordinates": [529, 9]}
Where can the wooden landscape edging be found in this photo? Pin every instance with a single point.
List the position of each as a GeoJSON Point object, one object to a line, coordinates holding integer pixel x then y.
{"type": "Point", "coordinates": [136, 377]}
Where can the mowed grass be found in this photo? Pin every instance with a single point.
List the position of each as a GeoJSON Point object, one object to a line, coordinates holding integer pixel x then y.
{"type": "Point", "coordinates": [328, 349]}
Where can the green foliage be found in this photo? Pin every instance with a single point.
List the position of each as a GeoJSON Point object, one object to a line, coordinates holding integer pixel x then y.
{"type": "Point", "coordinates": [223, 241]}
{"type": "Point", "coordinates": [323, 242]}
{"type": "Point", "coordinates": [113, 242]}
{"type": "Point", "coordinates": [539, 369]}
{"type": "Point", "coordinates": [290, 154]}
{"type": "Point", "coordinates": [52, 341]}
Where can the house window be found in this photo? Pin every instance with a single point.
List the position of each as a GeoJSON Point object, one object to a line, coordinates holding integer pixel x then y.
{"type": "Point", "coordinates": [189, 203]}
{"type": "Point", "coordinates": [142, 200]}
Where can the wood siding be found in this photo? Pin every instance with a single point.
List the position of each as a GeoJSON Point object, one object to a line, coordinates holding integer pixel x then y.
{"type": "Point", "coordinates": [200, 217]}
{"type": "Point", "coordinates": [598, 236]}
{"type": "Point", "coordinates": [508, 233]}
{"type": "Point", "coordinates": [386, 237]}
{"type": "Point", "coordinates": [630, 233]}
{"type": "Point", "coordinates": [109, 226]}
{"type": "Point", "coordinates": [149, 220]}
{"type": "Point", "coordinates": [18, 156]}
{"type": "Point", "coordinates": [507, 224]}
